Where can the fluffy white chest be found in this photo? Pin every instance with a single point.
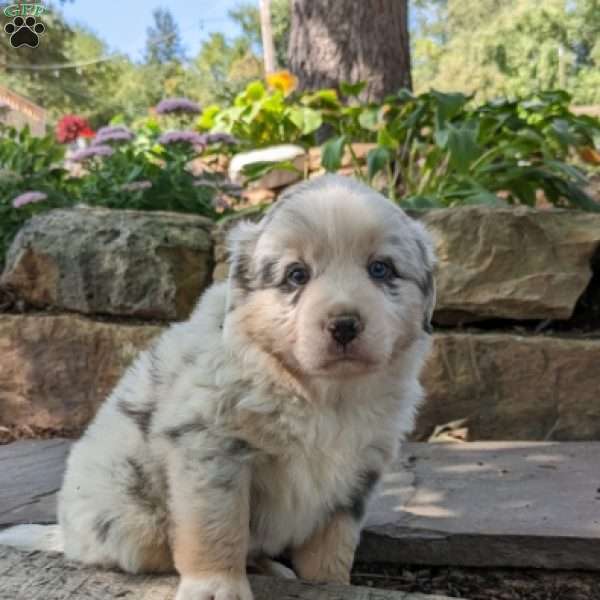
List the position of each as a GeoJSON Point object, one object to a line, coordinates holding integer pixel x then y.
{"type": "Point", "coordinates": [294, 493]}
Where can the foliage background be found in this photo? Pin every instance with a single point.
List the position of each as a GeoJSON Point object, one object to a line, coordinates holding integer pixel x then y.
{"type": "Point", "coordinates": [489, 48]}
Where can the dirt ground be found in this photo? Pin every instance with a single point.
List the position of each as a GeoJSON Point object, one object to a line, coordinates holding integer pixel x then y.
{"type": "Point", "coordinates": [482, 584]}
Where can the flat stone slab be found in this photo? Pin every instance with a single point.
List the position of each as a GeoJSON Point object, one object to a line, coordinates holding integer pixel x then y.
{"type": "Point", "coordinates": [488, 504]}
{"type": "Point", "coordinates": [40, 576]}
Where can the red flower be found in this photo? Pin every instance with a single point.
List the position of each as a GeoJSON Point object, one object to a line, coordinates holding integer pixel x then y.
{"type": "Point", "coordinates": [71, 127]}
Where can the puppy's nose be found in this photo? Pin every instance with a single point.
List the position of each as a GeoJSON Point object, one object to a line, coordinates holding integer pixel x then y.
{"type": "Point", "coordinates": [344, 328]}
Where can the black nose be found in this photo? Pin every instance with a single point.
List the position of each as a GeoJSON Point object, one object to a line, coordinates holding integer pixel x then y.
{"type": "Point", "coordinates": [344, 329]}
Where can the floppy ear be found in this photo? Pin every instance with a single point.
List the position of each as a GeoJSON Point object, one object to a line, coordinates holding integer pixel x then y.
{"type": "Point", "coordinates": [429, 289]}
{"type": "Point", "coordinates": [425, 244]}
{"type": "Point", "coordinates": [241, 243]}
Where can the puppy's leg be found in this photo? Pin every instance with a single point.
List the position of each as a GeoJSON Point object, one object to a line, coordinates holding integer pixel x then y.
{"type": "Point", "coordinates": [328, 554]}
{"type": "Point", "coordinates": [209, 483]}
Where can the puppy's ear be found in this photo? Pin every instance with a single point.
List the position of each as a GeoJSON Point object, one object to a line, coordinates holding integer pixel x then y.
{"type": "Point", "coordinates": [241, 244]}
{"type": "Point", "coordinates": [425, 245]}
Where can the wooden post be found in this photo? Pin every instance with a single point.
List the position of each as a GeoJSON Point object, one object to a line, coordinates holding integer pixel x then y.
{"type": "Point", "coordinates": [267, 36]}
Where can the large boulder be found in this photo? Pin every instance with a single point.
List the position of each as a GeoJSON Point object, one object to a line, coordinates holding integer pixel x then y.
{"type": "Point", "coordinates": [56, 370]}
{"type": "Point", "coordinates": [513, 387]}
{"type": "Point", "coordinates": [112, 262]}
{"type": "Point", "coordinates": [513, 263]}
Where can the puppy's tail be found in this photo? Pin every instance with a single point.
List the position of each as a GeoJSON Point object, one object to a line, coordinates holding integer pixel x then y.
{"type": "Point", "coordinates": [47, 538]}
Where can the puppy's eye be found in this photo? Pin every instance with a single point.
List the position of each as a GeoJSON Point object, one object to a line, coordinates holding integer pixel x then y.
{"type": "Point", "coordinates": [298, 275]}
{"type": "Point", "coordinates": [380, 270]}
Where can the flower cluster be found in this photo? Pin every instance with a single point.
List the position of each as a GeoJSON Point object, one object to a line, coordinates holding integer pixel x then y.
{"type": "Point", "coordinates": [116, 133]}
{"type": "Point", "coordinates": [284, 81]}
{"type": "Point", "coordinates": [91, 152]}
{"type": "Point", "coordinates": [71, 127]}
{"type": "Point", "coordinates": [220, 138]}
{"type": "Point", "coordinates": [177, 106]}
{"type": "Point", "coordinates": [28, 198]}
{"type": "Point", "coordinates": [182, 137]}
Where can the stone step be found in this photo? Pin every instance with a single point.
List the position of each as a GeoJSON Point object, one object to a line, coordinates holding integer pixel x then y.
{"type": "Point", "coordinates": [40, 576]}
{"type": "Point", "coordinates": [484, 504]}
{"type": "Point", "coordinates": [56, 370]}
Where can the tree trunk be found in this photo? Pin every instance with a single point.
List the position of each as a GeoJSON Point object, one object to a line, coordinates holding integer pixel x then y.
{"type": "Point", "coordinates": [266, 31]}
{"type": "Point", "coordinates": [351, 40]}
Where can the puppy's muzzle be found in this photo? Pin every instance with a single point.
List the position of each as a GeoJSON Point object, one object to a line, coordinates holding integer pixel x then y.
{"type": "Point", "coordinates": [344, 328]}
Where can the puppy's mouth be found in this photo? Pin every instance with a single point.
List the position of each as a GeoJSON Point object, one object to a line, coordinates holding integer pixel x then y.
{"type": "Point", "coordinates": [346, 362]}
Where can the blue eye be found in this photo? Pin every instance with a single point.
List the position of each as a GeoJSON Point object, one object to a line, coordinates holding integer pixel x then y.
{"type": "Point", "coordinates": [298, 275]}
{"type": "Point", "coordinates": [379, 270]}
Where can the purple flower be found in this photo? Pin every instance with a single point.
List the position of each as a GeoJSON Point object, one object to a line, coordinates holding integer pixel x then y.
{"type": "Point", "coordinates": [28, 198]}
{"type": "Point", "coordinates": [221, 202]}
{"type": "Point", "coordinates": [91, 152]}
{"type": "Point", "coordinates": [220, 138]}
{"type": "Point", "coordinates": [119, 133]}
{"type": "Point", "coordinates": [179, 137]}
{"type": "Point", "coordinates": [136, 186]}
{"type": "Point", "coordinates": [177, 105]}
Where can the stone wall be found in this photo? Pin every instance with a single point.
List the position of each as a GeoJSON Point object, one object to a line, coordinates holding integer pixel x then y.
{"type": "Point", "coordinates": [517, 319]}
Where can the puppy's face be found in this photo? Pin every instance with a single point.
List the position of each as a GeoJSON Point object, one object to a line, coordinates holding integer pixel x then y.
{"type": "Point", "coordinates": [335, 281]}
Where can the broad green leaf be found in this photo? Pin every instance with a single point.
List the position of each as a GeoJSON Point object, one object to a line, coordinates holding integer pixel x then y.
{"type": "Point", "coordinates": [462, 146]}
{"type": "Point", "coordinates": [384, 138]}
{"type": "Point", "coordinates": [332, 152]}
{"type": "Point", "coordinates": [377, 159]}
{"type": "Point", "coordinates": [369, 118]}
{"type": "Point", "coordinates": [306, 119]}
{"type": "Point", "coordinates": [352, 89]}
{"type": "Point", "coordinates": [255, 90]}
{"type": "Point", "coordinates": [206, 120]}
{"type": "Point", "coordinates": [256, 170]}
{"type": "Point", "coordinates": [420, 202]}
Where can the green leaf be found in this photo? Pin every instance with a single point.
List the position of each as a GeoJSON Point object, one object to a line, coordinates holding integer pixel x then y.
{"type": "Point", "coordinates": [352, 89]}
{"type": "Point", "coordinates": [256, 170]}
{"type": "Point", "coordinates": [206, 120]}
{"type": "Point", "coordinates": [332, 152]}
{"type": "Point", "coordinates": [385, 138]}
{"type": "Point", "coordinates": [420, 202]}
{"type": "Point", "coordinates": [369, 119]}
{"type": "Point", "coordinates": [306, 119]}
{"type": "Point", "coordinates": [462, 146]}
{"type": "Point", "coordinates": [377, 159]}
{"type": "Point", "coordinates": [255, 90]}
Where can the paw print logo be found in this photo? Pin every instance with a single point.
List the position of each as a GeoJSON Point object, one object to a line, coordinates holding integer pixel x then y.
{"type": "Point", "coordinates": [24, 32]}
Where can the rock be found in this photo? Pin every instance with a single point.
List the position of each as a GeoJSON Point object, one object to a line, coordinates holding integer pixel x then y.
{"type": "Point", "coordinates": [112, 262]}
{"type": "Point", "coordinates": [503, 263]}
{"type": "Point", "coordinates": [42, 576]}
{"type": "Point", "coordinates": [511, 263]}
{"type": "Point", "coordinates": [273, 154]}
{"type": "Point", "coordinates": [512, 387]}
{"type": "Point", "coordinates": [488, 504]}
{"type": "Point", "coordinates": [56, 370]}
{"type": "Point", "coordinates": [219, 236]}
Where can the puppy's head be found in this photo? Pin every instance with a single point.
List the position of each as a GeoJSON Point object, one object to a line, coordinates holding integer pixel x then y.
{"type": "Point", "coordinates": [335, 280]}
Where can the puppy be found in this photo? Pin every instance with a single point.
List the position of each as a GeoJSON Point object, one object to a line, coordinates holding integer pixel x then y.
{"type": "Point", "coordinates": [263, 423]}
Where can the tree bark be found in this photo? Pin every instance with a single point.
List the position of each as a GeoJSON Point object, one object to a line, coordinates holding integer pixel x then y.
{"type": "Point", "coordinates": [335, 41]}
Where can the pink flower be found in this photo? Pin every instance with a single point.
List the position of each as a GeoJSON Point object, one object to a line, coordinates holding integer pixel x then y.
{"type": "Point", "coordinates": [118, 133]}
{"type": "Point", "coordinates": [28, 198]}
{"type": "Point", "coordinates": [91, 152]}
{"type": "Point", "coordinates": [177, 105]}
{"type": "Point", "coordinates": [179, 137]}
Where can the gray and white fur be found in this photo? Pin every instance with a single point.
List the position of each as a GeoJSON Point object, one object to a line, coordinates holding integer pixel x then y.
{"type": "Point", "coordinates": [262, 424]}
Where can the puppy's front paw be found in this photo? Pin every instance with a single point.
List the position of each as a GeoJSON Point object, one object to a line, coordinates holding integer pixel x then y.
{"type": "Point", "coordinates": [214, 587]}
